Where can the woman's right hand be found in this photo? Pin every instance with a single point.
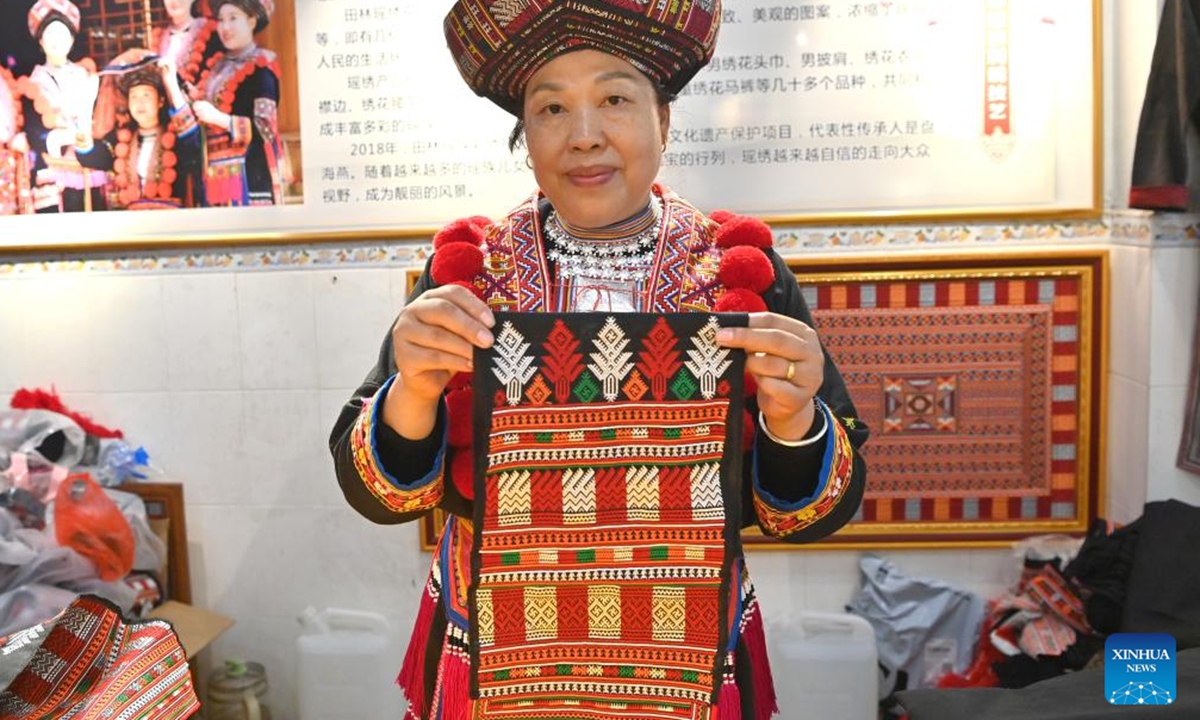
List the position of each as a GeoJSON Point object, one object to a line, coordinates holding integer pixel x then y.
{"type": "Point", "coordinates": [434, 338]}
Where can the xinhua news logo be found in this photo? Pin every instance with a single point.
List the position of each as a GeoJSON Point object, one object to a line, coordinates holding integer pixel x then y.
{"type": "Point", "coordinates": [1139, 669]}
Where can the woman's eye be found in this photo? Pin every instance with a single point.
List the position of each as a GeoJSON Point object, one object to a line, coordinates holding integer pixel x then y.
{"type": "Point", "coordinates": [615, 100]}
{"type": "Point", "coordinates": [553, 109]}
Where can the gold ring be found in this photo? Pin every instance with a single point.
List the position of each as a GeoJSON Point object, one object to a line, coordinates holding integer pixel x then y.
{"type": "Point", "coordinates": [791, 373]}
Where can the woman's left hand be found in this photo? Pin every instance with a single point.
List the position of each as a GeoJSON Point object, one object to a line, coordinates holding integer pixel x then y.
{"type": "Point", "coordinates": [784, 355]}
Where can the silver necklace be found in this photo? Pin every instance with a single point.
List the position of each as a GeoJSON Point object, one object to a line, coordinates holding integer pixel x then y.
{"type": "Point", "coordinates": [621, 259]}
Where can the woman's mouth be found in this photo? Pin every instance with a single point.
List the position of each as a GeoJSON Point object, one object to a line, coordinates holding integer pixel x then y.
{"type": "Point", "coordinates": [591, 175]}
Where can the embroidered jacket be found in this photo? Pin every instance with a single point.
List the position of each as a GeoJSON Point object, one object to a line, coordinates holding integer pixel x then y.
{"type": "Point", "coordinates": [795, 494]}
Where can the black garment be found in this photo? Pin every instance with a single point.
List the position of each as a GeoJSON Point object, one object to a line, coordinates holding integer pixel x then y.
{"type": "Point", "coordinates": [1164, 585]}
{"type": "Point", "coordinates": [1101, 568]}
{"type": "Point", "coordinates": [1171, 107]}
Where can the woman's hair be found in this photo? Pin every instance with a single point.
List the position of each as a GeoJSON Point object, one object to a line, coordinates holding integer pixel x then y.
{"type": "Point", "coordinates": [53, 17]}
{"type": "Point", "coordinates": [516, 138]}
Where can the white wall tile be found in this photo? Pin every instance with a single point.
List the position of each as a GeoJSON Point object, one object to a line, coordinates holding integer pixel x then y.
{"type": "Point", "coordinates": [1166, 424]}
{"type": "Point", "coordinates": [58, 334]}
{"type": "Point", "coordinates": [130, 352]}
{"type": "Point", "coordinates": [205, 451]}
{"type": "Point", "coordinates": [1129, 315]}
{"type": "Point", "coordinates": [283, 449]}
{"type": "Point", "coordinates": [12, 329]}
{"type": "Point", "coordinates": [1175, 302]}
{"type": "Point", "coordinates": [202, 332]}
{"type": "Point", "coordinates": [277, 330]}
{"type": "Point", "coordinates": [229, 563]}
{"type": "Point", "coordinates": [1127, 448]}
{"type": "Point", "coordinates": [354, 309]}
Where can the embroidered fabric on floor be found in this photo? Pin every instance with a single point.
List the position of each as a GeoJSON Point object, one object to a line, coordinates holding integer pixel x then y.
{"type": "Point", "coordinates": [92, 664]}
{"type": "Point", "coordinates": [602, 566]}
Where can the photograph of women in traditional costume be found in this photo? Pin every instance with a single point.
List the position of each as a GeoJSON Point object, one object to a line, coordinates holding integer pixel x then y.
{"type": "Point", "coordinates": [59, 99]}
{"type": "Point", "coordinates": [14, 168]}
{"type": "Point", "coordinates": [153, 146]}
{"type": "Point", "coordinates": [590, 84]}
{"type": "Point", "coordinates": [188, 38]}
{"type": "Point", "coordinates": [237, 100]}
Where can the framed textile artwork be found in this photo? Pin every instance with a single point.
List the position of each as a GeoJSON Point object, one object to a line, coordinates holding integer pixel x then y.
{"type": "Point", "coordinates": [982, 379]}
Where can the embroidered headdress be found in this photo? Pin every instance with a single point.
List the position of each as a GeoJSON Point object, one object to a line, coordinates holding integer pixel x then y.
{"type": "Point", "coordinates": [43, 11]}
{"type": "Point", "coordinates": [262, 10]}
{"type": "Point", "coordinates": [498, 44]}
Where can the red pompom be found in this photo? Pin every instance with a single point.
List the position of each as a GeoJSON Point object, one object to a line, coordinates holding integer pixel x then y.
{"type": "Point", "coordinates": [748, 429]}
{"type": "Point", "coordinates": [721, 217]}
{"type": "Point", "coordinates": [462, 472]}
{"type": "Point", "coordinates": [459, 231]}
{"type": "Point", "coordinates": [167, 141]}
{"type": "Point", "coordinates": [458, 417]}
{"type": "Point", "coordinates": [456, 261]}
{"type": "Point", "coordinates": [744, 267]}
{"type": "Point", "coordinates": [744, 230]}
{"type": "Point", "coordinates": [479, 221]}
{"type": "Point", "coordinates": [470, 285]}
{"type": "Point", "coordinates": [170, 175]}
{"type": "Point", "coordinates": [459, 380]}
{"type": "Point", "coordinates": [122, 150]}
{"type": "Point", "coordinates": [38, 399]}
{"type": "Point", "coordinates": [740, 300]}
{"type": "Point", "coordinates": [750, 385]}
{"type": "Point", "coordinates": [124, 135]}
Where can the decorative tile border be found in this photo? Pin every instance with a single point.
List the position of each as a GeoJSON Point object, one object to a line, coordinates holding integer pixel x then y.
{"type": "Point", "coordinates": [1121, 227]}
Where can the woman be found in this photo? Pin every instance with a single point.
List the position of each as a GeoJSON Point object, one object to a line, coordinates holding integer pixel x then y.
{"type": "Point", "coordinates": [591, 97]}
{"type": "Point", "coordinates": [153, 147]}
{"type": "Point", "coordinates": [188, 38]}
{"type": "Point", "coordinates": [237, 99]}
{"type": "Point", "coordinates": [59, 99]}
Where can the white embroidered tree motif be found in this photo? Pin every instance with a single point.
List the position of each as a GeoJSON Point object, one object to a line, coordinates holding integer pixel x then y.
{"type": "Point", "coordinates": [610, 363]}
{"type": "Point", "coordinates": [708, 361]}
{"type": "Point", "coordinates": [512, 366]}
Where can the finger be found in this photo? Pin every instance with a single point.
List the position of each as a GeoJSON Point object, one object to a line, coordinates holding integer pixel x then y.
{"type": "Point", "coordinates": [446, 311]}
{"type": "Point", "coordinates": [415, 359]}
{"type": "Point", "coordinates": [775, 342]}
{"type": "Point", "coordinates": [432, 337]}
{"type": "Point", "coordinates": [776, 321]}
{"type": "Point", "coordinates": [768, 365]}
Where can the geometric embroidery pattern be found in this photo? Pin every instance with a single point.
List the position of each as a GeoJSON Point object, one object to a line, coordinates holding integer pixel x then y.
{"type": "Point", "coordinates": [919, 404]}
{"type": "Point", "coordinates": [600, 536]}
{"type": "Point", "coordinates": [975, 385]}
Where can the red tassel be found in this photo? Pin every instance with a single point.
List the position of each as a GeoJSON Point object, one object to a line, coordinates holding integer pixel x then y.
{"type": "Point", "coordinates": [454, 684]}
{"type": "Point", "coordinates": [412, 671]}
{"type": "Point", "coordinates": [765, 702]}
{"type": "Point", "coordinates": [729, 702]}
{"type": "Point", "coordinates": [37, 399]}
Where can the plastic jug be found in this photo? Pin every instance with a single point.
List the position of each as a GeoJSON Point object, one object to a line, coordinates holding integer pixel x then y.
{"type": "Point", "coordinates": [827, 664]}
{"type": "Point", "coordinates": [348, 660]}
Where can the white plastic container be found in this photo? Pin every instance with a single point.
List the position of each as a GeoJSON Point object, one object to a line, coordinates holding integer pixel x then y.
{"type": "Point", "coordinates": [348, 660]}
{"type": "Point", "coordinates": [826, 664]}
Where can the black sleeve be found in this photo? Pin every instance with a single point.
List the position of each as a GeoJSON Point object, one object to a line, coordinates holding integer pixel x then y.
{"type": "Point", "coordinates": [792, 473]}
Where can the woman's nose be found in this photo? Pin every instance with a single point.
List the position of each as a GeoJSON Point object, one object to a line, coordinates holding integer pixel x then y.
{"type": "Point", "coordinates": [587, 131]}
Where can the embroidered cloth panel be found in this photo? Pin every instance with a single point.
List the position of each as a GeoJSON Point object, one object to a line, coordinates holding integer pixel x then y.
{"type": "Point", "coordinates": [607, 505]}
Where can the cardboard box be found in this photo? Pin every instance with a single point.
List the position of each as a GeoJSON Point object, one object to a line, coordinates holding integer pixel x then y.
{"type": "Point", "coordinates": [196, 627]}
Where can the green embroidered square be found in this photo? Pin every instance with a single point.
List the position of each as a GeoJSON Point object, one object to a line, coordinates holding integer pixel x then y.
{"type": "Point", "coordinates": [585, 556]}
{"type": "Point", "coordinates": [658, 552]}
{"type": "Point", "coordinates": [510, 558]}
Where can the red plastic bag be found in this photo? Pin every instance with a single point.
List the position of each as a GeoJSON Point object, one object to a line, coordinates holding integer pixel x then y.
{"type": "Point", "coordinates": [89, 522]}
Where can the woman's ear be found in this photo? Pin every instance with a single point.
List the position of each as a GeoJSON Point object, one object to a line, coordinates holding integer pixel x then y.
{"type": "Point", "coordinates": [664, 122]}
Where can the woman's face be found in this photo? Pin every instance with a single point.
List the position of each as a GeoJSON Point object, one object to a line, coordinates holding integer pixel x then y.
{"type": "Point", "coordinates": [235, 27]}
{"type": "Point", "coordinates": [144, 104]}
{"type": "Point", "coordinates": [56, 42]}
{"type": "Point", "coordinates": [180, 11]}
{"type": "Point", "coordinates": [595, 131]}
